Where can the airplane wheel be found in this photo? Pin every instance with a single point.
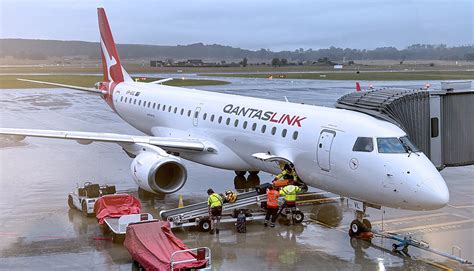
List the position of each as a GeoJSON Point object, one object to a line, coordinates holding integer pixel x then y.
{"type": "Point", "coordinates": [304, 188]}
{"type": "Point", "coordinates": [70, 203]}
{"type": "Point", "coordinates": [205, 225]}
{"type": "Point", "coordinates": [355, 228]}
{"type": "Point", "coordinates": [367, 225]}
{"type": "Point", "coordinates": [240, 173]}
{"type": "Point", "coordinates": [298, 217]}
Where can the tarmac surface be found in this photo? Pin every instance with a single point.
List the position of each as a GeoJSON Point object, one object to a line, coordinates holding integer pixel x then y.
{"type": "Point", "coordinates": [38, 231]}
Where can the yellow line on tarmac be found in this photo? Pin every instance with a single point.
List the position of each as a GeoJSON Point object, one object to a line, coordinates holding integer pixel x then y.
{"type": "Point", "coordinates": [435, 264]}
{"type": "Point", "coordinates": [400, 219]}
{"type": "Point", "coordinates": [433, 225]}
{"type": "Point", "coordinates": [312, 194]}
{"type": "Point", "coordinates": [461, 206]}
{"type": "Point", "coordinates": [318, 200]}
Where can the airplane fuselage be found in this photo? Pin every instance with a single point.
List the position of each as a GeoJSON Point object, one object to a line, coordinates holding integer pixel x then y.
{"type": "Point", "coordinates": [319, 141]}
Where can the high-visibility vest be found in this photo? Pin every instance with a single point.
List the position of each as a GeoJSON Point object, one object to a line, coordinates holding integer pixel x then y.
{"type": "Point", "coordinates": [289, 192]}
{"type": "Point", "coordinates": [215, 200]}
{"type": "Point", "coordinates": [287, 174]}
{"type": "Point", "coordinates": [272, 198]}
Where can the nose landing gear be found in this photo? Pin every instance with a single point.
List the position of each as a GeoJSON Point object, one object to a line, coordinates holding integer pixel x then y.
{"type": "Point", "coordinates": [359, 225]}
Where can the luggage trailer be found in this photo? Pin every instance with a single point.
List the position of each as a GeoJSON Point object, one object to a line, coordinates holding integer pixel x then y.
{"type": "Point", "coordinates": [118, 225]}
{"type": "Point", "coordinates": [198, 215]}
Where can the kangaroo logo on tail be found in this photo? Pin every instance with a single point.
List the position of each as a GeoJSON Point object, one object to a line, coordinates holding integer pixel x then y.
{"type": "Point", "coordinates": [112, 68]}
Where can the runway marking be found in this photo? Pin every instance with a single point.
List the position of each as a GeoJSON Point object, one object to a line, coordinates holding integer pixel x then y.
{"type": "Point", "coordinates": [461, 206]}
{"type": "Point", "coordinates": [433, 226]}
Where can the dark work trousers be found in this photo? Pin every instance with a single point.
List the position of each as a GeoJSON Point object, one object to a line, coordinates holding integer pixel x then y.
{"type": "Point", "coordinates": [271, 214]}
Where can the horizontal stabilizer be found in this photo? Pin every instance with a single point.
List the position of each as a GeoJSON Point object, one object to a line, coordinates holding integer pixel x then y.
{"type": "Point", "coordinates": [93, 90]}
{"type": "Point", "coordinates": [161, 81]}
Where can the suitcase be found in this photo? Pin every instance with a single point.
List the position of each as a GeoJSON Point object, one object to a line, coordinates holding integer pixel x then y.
{"type": "Point", "coordinates": [241, 223]}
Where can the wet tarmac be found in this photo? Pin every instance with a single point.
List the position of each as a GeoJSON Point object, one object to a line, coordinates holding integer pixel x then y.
{"type": "Point", "coordinates": [39, 231]}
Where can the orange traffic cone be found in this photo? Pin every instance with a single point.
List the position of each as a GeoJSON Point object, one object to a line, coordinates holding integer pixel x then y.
{"type": "Point", "coordinates": [180, 202]}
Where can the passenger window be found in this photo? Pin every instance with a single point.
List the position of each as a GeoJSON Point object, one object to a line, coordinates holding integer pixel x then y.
{"type": "Point", "coordinates": [154, 105]}
{"type": "Point", "coordinates": [204, 116]}
{"type": "Point", "coordinates": [227, 121]}
{"type": "Point", "coordinates": [236, 123]}
{"type": "Point", "coordinates": [158, 107]}
{"type": "Point", "coordinates": [121, 98]}
{"type": "Point", "coordinates": [295, 135]}
{"type": "Point", "coordinates": [274, 129]}
{"type": "Point", "coordinates": [264, 127]}
{"type": "Point", "coordinates": [189, 113]}
{"type": "Point", "coordinates": [196, 114]}
{"type": "Point", "coordinates": [182, 111]}
{"type": "Point", "coordinates": [363, 144]}
{"type": "Point", "coordinates": [175, 110]}
{"type": "Point", "coordinates": [220, 119]}
{"type": "Point", "coordinates": [134, 101]}
{"type": "Point", "coordinates": [254, 127]}
{"type": "Point", "coordinates": [245, 125]}
{"type": "Point", "coordinates": [126, 99]}
{"type": "Point", "coordinates": [283, 133]}
{"type": "Point", "coordinates": [390, 145]}
{"type": "Point", "coordinates": [139, 102]}
{"type": "Point", "coordinates": [212, 117]}
{"type": "Point", "coordinates": [149, 103]}
{"type": "Point", "coordinates": [169, 108]}
{"type": "Point", "coordinates": [164, 108]}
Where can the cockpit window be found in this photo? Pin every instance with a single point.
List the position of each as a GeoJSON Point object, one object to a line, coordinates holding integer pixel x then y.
{"type": "Point", "coordinates": [390, 145]}
{"type": "Point", "coordinates": [364, 144]}
{"type": "Point", "coordinates": [410, 146]}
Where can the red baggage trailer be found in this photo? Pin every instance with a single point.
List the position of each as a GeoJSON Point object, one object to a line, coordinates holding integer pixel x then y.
{"type": "Point", "coordinates": [154, 246]}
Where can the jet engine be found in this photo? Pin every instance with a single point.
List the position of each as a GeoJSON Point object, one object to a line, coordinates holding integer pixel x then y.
{"type": "Point", "coordinates": [158, 174]}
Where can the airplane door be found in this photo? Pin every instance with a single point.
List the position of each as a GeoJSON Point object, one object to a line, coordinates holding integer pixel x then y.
{"type": "Point", "coordinates": [324, 149]}
{"type": "Point", "coordinates": [196, 115]}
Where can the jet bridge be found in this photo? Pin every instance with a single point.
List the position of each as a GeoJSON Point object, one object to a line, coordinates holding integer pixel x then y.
{"type": "Point", "coordinates": [440, 123]}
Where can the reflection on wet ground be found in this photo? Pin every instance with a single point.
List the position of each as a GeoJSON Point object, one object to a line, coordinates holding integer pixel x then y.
{"type": "Point", "coordinates": [38, 231]}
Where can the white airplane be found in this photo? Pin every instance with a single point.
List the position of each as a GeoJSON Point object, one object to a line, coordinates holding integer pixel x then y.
{"type": "Point", "coordinates": [348, 153]}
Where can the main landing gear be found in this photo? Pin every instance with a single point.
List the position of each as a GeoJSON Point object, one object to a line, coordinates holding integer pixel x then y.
{"type": "Point", "coordinates": [243, 183]}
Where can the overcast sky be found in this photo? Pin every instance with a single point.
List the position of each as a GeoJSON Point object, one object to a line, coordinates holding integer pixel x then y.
{"type": "Point", "coordinates": [250, 24]}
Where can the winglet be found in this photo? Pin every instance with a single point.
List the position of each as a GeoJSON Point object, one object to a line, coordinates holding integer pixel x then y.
{"type": "Point", "coordinates": [112, 68]}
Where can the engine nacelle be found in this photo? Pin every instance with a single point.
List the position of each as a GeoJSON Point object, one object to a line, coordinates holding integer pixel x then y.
{"type": "Point", "coordinates": [158, 174]}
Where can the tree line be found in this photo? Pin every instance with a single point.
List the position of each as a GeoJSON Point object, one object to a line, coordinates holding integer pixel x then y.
{"type": "Point", "coordinates": [42, 49]}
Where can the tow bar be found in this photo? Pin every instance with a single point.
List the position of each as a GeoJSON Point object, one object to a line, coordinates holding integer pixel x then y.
{"type": "Point", "coordinates": [403, 242]}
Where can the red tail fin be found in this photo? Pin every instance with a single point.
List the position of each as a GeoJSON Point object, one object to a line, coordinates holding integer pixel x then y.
{"type": "Point", "coordinates": [111, 65]}
{"type": "Point", "coordinates": [357, 86]}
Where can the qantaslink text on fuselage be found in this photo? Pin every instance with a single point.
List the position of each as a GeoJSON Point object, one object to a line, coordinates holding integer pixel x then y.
{"type": "Point", "coordinates": [292, 120]}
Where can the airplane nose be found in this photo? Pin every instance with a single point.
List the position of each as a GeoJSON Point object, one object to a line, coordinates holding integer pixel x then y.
{"type": "Point", "coordinates": [436, 193]}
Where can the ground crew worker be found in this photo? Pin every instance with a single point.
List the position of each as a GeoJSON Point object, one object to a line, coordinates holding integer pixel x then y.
{"type": "Point", "coordinates": [288, 173]}
{"type": "Point", "coordinates": [272, 207]}
{"type": "Point", "coordinates": [289, 194]}
{"type": "Point", "coordinates": [214, 203]}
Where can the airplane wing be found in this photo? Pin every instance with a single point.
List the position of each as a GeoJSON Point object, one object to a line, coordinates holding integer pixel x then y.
{"type": "Point", "coordinates": [93, 90]}
{"type": "Point", "coordinates": [176, 144]}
